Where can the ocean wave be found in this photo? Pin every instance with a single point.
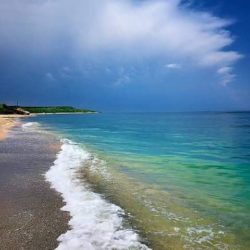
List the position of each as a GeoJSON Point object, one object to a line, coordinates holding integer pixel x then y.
{"type": "Point", "coordinates": [95, 223]}
{"type": "Point", "coordinates": [30, 126]}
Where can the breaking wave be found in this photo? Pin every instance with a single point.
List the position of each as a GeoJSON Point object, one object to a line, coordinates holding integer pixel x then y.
{"type": "Point", "coordinates": [95, 223]}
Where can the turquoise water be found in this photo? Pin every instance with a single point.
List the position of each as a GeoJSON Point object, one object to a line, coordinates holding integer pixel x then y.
{"type": "Point", "coordinates": [183, 177]}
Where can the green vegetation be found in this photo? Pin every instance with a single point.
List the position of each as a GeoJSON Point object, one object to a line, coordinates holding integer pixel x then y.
{"type": "Point", "coordinates": [4, 109]}
{"type": "Point", "coordinates": [1, 109]}
{"type": "Point", "coordinates": [56, 109]}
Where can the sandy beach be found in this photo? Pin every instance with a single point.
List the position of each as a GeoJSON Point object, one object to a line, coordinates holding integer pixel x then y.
{"type": "Point", "coordinates": [6, 123]}
{"type": "Point", "coordinates": [30, 216]}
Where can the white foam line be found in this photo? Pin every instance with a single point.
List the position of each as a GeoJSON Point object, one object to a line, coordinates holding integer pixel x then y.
{"type": "Point", "coordinates": [30, 125]}
{"type": "Point", "coordinates": [95, 223]}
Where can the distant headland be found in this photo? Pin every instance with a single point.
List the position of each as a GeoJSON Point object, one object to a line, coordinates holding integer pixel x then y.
{"type": "Point", "coordinates": [27, 110]}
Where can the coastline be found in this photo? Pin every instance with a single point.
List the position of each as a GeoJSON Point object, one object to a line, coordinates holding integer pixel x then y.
{"type": "Point", "coordinates": [30, 215]}
{"type": "Point", "coordinates": [7, 122]}
{"type": "Point", "coordinates": [95, 223]}
{"type": "Point", "coordinates": [65, 113]}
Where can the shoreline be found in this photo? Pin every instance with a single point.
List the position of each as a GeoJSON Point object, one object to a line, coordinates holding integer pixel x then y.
{"type": "Point", "coordinates": [8, 121]}
{"type": "Point", "coordinates": [38, 212]}
{"type": "Point", "coordinates": [30, 212]}
{"type": "Point", "coordinates": [65, 113]}
{"type": "Point", "coordinates": [6, 124]}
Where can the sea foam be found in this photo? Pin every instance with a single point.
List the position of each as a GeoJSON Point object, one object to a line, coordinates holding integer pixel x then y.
{"type": "Point", "coordinates": [30, 126]}
{"type": "Point", "coordinates": [95, 223]}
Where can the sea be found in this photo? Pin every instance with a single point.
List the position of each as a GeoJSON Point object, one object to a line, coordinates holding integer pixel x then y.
{"type": "Point", "coordinates": [152, 180]}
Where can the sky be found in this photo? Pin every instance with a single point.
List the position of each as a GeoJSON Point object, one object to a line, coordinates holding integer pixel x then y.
{"type": "Point", "coordinates": [126, 55]}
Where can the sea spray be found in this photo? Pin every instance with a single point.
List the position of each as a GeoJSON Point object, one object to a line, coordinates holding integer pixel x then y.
{"type": "Point", "coordinates": [95, 223]}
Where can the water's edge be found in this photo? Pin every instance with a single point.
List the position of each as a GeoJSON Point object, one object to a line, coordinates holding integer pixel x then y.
{"type": "Point", "coordinates": [95, 223]}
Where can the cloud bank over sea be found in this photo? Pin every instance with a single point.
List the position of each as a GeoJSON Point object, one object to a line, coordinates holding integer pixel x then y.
{"type": "Point", "coordinates": [168, 29]}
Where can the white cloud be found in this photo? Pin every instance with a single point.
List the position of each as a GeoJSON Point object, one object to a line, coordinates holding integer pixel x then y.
{"type": "Point", "coordinates": [50, 77]}
{"type": "Point", "coordinates": [226, 74]}
{"type": "Point", "coordinates": [122, 80]}
{"type": "Point", "coordinates": [147, 28]}
{"type": "Point", "coordinates": [65, 72]}
{"type": "Point", "coordinates": [173, 66]}
{"type": "Point", "coordinates": [123, 77]}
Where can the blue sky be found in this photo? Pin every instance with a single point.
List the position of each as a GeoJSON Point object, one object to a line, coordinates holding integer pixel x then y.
{"type": "Point", "coordinates": [125, 55]}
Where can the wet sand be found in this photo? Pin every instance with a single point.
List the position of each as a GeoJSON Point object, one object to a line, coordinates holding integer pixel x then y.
{"type": "Point", "coordinates": [30, 216]}
{"type": "Point", "coordinates": [6, 123]}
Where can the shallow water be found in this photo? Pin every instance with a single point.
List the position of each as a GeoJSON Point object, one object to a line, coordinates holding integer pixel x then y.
{"type": "Point", "coordinates": [183, 179]}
